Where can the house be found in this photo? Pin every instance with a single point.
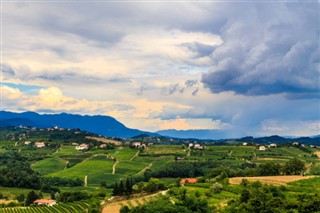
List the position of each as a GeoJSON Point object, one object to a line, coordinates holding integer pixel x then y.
{"type": "Point", "coordinates": [262, 148]}
{"type": "Point", "coordinates": [45, 202]}
{"type": "Point", "coordinates": [39, 144]}
{"type": "Point", "coordinates": [190, 144]}
{"type": "Point", "coordinates": [27, 142]}
{"type": "Point", "coordinates": [272, 145]}
{"type": "Point", "coordinates": [136, 144]}
{"type": "Point", "coordinates": [198, 146]}
{"type": "Point", "coordinates": [245, 144]}
{"type": "Point", "coordinates": [103, 146]}
{"type": "Point", "coordinates": [82, 147]}
{"type": "Point", "coordinates": [295, 144]}
{"type": "Point", "coordinates": [188, 180]}
{"type": "Point", "coordinates": [75, 144]}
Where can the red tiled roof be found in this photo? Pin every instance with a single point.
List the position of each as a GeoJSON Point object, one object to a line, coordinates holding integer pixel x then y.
{"type": "Point", "coordinates": [44, 201]}
{"type": "Point", "coordinates": [189, 180]}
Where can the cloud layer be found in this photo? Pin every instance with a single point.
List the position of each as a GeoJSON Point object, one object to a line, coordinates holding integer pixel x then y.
{"type": "Point", "coordinates": [251, 68]}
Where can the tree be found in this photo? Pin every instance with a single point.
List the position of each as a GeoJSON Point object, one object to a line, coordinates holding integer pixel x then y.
{"type": "Point", "coordinates": [31, 197]}
{"type": "Point", "coordinates": [294, 167]}
{"type": "Point", "coordinates": [115, 189]}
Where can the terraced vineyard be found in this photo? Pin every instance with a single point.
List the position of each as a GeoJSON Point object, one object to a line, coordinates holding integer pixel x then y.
{"type": "Point", "coordinates": [75, 207]}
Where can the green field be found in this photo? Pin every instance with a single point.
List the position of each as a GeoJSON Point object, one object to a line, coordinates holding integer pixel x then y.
{"type": "Point", "coordinates": [49, 165]}
{"type": "Point", "coordinates": [97, 168]}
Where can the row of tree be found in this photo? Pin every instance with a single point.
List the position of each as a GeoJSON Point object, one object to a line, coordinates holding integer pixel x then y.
{"type": "Point", "coordinates": [122, 188]}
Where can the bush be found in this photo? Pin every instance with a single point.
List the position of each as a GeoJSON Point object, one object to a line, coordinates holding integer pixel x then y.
{"type": "Point", "coordinates": [216, 188]}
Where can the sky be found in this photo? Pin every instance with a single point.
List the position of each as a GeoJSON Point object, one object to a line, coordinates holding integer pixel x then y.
{"type": "Point", "coordinates": [246, 67]}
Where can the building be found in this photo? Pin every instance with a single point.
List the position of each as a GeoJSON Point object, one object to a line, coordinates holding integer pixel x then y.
{"type": "Point", "coordinates": [245, 144]}
{"type": "Point", "coordinates": [45, 202]}
{"type": "Point", "coordinates": [82, 147]}
{"type": "Point", "coordinates": [103, 146]}
{"type": "Point", "coordinates": [262, 148]}
{"type": "Point", "coordinates": [273, 145]}
{"type": "Point", "coordinates": [295, 144]}
{"type": "Point", "coordinates": [27, 142]}
{"type": "Point", "coordinates": [136, 144]}
{"type": "Point", "coordinates": [188, 180]}
{"type": "Point", "coordinates": [197, 146]}
{"type": "Point", "coordinates": [75, 144]}
{"type": "Point", "coordinates": [39, 144]}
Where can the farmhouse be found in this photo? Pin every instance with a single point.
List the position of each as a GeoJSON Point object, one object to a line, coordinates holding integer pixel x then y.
{"type": "Point", "coordinates": [295, 144]}
{"type": "Point", "coordinates": [262, 148]}
{"type": "Point", "coordinates": [27, 142]}
{"type": "Point", "coordinates": [244, 144]}
{"type": "Point", "coordinates": [39, 144]}
{"type": "Point", "coordinates": [272, 145]}
{"type": "Point", "coordinates": [198, 146]}
{"type": "Point", "coordinates": [136, 144]}
{"type": "Point", "coordinates": [103, 145]}
{"type": "Point", "coordinates": [82, 146]}
{"type": "Point", "coordinates": [190, 144]}
{"type": "Point", "coordinates": [75, 144]}
{"type": "Point", "coordinates": [188, 180]}
{"type": "Point", "coordinates": [45, 202]}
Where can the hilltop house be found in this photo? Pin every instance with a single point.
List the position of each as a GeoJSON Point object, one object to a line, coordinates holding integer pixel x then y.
{"type": "Point", "coordinates": [198, 146]}
{"type": "Point", "coordinates": [27, 142]}
{"type": "Point", "coordinates": [103, 145]}
{"type": "Point", "coordinates": [188, 180]}
{"type": "Point", "coordinates": [39, 144]}
{"type": "Point", "coordinates": [272, 145]}
{"type": "Point", "coordinates": [45, 202]}
{"type": "Point", "coordinates": [82, 147]}
{"type": "Point", "coordinates": [245, 144]}
{"type": "Point", "coordinates": [262, 148]}
{"type": "Point", "coordinates": [136, 144]}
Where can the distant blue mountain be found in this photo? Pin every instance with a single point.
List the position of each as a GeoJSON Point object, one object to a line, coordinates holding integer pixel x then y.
{"type": "Point", "coordinates": [103, 125]}
{"type": "Point", "coordinates": [196, 133]}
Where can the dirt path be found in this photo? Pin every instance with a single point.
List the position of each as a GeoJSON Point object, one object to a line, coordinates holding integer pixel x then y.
{"type": "Point", "coordinates": [273, 180]}
{"type": "Point", "coordinates": [135, 155]}
{"type": "Point", "coordinates": [230, 153]}
{"type": "Point", "coordinates": [145, 168]}
{"type": "Point", "coordinates": [115, 207]}
{"type": "Point", "coordinates": [114, 167]}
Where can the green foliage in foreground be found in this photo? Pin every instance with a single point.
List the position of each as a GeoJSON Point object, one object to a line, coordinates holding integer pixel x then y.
{"type": "Point", "coordinates": [256, 198]}
{"type": "Point", "coordinates": [182, 204]}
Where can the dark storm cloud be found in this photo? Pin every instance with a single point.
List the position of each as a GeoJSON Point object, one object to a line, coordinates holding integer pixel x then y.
{"type": "Point", "coordinates": [272, 48]}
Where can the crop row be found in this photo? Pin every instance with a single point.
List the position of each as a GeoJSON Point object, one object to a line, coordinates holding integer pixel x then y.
{"type": "Point", "coordinates": [76, 207]}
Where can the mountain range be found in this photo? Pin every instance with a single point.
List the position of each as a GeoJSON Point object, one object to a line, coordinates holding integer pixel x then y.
{"type": "Point", "coordinates": [103, 125]}
{"type": "Point", "coordinates": [110, 127]}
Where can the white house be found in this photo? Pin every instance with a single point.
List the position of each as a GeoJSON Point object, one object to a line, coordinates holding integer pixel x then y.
{"type": "Point", "coordinates": [136, 144]}
{"type": "Point", "coordinates": [45, 202]}
{"type": "Point", "coordinates": [198, 146]}
{"type": "Point", "coordinates": [295, 144]}
{"type": "Point", "coordinates": [272, 145]}
{"type": "Point", "coordinates": [75, 144]}
{"type": "Point", "coordinates": [190, 144]}
{"type": "Point", "coordinates": [244, 144]}
{"type": "Point", "coordinates": [262, 148]}
{"type": "Point", "coordinates": [82, 146]}
{"type": "Point", "coordinates": [103, 145]}
{"type": "Point", "coordinates": [27, 142]}
{"type": "Point", "coordinates": [39, 144]}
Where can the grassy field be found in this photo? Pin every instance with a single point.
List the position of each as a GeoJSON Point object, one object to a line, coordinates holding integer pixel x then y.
{"type": "Point", "coordinates": [49, 165]}
{"type": "Point", "coordinates": [97, 169]}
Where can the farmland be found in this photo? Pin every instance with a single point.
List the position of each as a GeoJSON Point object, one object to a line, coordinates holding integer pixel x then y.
{"type": "Point", "coordinates": [60, 168]}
